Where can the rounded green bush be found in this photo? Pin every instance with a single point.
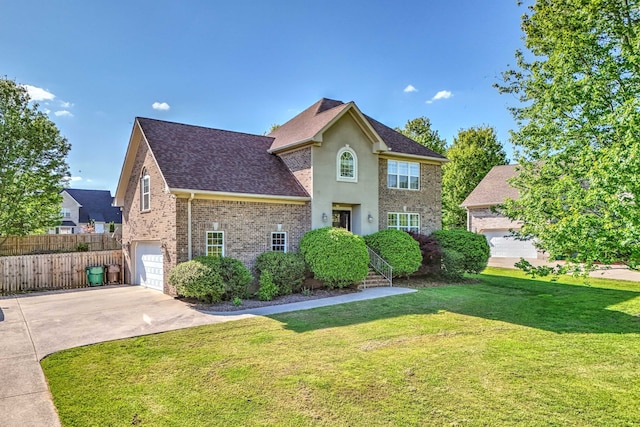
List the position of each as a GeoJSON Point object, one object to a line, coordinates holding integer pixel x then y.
{"type": "Point", "coordinates": [198, 278]}
{"type": "Point", "coordinates": [398, 248]}
{"type": "Point", "coordinates": [236, 278]}
{"type": "Point", "coordinates": [472, 246]}
{"type": "Point", "coordinates": [452, 264]}
{"type": "Point", "coordinates": [336, 256]}
{"type": "Point", "coordinates": [268, 290]}
{"type": "Point", "coordinates": [287, 270]}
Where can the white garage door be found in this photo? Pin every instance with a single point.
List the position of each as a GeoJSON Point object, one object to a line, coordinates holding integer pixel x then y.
{"type": "Point", "coordinates": [504, 246]}
{"type": "Point", "coordinates": [149, 265]}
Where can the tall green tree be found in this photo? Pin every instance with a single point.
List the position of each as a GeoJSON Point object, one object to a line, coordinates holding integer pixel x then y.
{"type": "Point", "coordinates": [419, 129]}
{"type": "Point", "coordinates": [472, 155]}
{"type": "Point", "coordinates": [578, 136]}
{"type": "Point", "coordinates": [32, 164]}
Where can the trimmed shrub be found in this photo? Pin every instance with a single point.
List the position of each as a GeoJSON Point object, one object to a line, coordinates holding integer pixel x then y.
{"type": "Point", "coordinates": [268, 290]}
{"type": "Point", "coordinates": [236, 278]}
{"type": "Point", "coordinates": [431, 254]}
{"type": "Point", "coordinates": [398, 248]}
{"type": "Point", "coordinates": [199, 278]}
{"type": "Point", "coordinates": [287, 270]}
{"type": "Point", "coordinates": [336, 256]}
{"type": "Point", "coordinates": [452, 264]}
{"type": "Point", "coordinates": [472, 246]}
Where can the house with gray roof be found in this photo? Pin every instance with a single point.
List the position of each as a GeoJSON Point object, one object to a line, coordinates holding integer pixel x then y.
{"type": "Point", "coordinates": [188, 190]}
{"type": "Point", "coordinates": [484, 216]}
{"type": "Point", "coordinates": [85, 211]}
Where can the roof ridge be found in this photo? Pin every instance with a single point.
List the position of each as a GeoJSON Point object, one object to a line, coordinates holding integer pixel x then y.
{"type": "Point", "coordinates": [204, 127]}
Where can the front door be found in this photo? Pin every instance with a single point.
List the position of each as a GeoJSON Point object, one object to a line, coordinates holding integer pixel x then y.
{"type": "Point", "coordinates": [342, 219]}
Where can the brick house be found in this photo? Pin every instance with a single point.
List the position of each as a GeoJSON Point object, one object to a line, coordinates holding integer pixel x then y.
{"type": "Point", "coordinates": [187, 190]}
{"type": "Point", "coordinates": [484, 218]}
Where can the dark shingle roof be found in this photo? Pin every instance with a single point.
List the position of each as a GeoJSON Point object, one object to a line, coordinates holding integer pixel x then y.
{"type": "Point", "coordinates": [494, 188]}
{"type": "Point", "coordinates": [205, 159]}
{"type": "Point", "coordinates": [308, 123]}
{"type": "Point", "coordinates": [95, 205]}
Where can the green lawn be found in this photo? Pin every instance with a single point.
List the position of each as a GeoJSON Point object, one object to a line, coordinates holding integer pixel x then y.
{"type": "Point", "coordinates": [506, 351]}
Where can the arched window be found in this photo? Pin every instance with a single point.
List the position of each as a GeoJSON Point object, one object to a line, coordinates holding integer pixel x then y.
{"type": "Point", "coordinates": [145, 191]}
{"type": "Point", "coordinates": [347, 165]}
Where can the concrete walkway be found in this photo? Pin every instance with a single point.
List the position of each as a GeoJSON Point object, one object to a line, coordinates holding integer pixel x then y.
{"type": "Point", "coordinates": [618, 272]}
{"type": "Point", "coordinates": [33, 326]}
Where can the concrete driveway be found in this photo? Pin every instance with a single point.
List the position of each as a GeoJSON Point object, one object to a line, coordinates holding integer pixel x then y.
{"type": "Point", "coordinates": [33, 326]}
{"type": "Point", "coordinates": [618, 272]}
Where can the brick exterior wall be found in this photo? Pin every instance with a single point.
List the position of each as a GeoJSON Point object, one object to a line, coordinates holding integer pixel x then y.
{"type": "Point", "coordinates": [483, 219]}
{"type": "Point", "coordinates": [299, 163]}
{"type": "Point", "coordinates": [158, 224]}
{"type": "Point", "coordinates": [247, 226]}
{"type": "Point", "coordinates": [427, 201]}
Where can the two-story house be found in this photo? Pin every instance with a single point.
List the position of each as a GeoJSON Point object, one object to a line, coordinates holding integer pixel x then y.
{"type": "Point", "coordinates": [187, 190]}
{"type": "Point", "coordinates": [86, 211]}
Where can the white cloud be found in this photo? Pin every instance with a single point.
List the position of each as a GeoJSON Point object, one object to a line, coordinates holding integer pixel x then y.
{"type": "Point", "coordinates": [443, 94]}
{"type": "Point", "coordinates": [38, 94]}
{"type": "Point", "coordinates": [63, 113]}
{"type": "Point", "coordinates": [74, 178]}
{"type": "Point", "coordinates": [162, 106]}
{"type": "Point", "coordinates": [64, 104]}
{"type": "Point", "coordinates": [410, 88]}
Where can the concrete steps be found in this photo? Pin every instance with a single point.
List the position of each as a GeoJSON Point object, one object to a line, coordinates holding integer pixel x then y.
{"type": "Point", "coordinates": [373, 280]}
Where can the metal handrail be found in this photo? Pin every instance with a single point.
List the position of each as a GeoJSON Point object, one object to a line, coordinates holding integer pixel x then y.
{"type": "Point", "coordinates": [380, 266]}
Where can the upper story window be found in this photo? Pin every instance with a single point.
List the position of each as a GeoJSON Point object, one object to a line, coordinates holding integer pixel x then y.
{"type": "Point", "coordinates": [347, 165]}
{"type": "Point", "coordinates": [403, 175]}
{"type": "Point", "coordinates": [145, 191]}
{"type": "Point", "coordinates": [66, 213]}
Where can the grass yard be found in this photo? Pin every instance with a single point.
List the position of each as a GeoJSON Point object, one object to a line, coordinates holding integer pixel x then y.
{"type": "Point", "coordinates": [506, 351]}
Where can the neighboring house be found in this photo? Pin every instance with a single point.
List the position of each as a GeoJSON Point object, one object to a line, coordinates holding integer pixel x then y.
{"type": "Point", "coordinates": [187, 190]}
{"type": "Point", "coordinates": [484, 218]}
{"type": "Point", "coordinates": [85, 210]}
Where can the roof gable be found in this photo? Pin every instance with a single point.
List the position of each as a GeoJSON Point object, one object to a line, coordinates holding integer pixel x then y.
{"type": "Point", "coordinates": [494, 188]}
{"type": "Point", "coordinates": [95, 205]}
{"type": "Point", "coordinates": [309, 125]}
{"type": "Point", "coordinates": [212, 160]}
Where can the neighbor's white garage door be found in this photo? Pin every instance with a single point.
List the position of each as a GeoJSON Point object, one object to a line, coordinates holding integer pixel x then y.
{"type": "Point", "coordinates": [149, 265]}
{"type": "Point", "coordinates": [504, 246]}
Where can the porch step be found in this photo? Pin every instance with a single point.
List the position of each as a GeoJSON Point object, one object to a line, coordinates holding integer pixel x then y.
{"type": "Point", "coordinates": [373, 280]}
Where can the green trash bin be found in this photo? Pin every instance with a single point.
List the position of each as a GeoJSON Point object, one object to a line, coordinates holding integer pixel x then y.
{"type": "Point", "coordinates": [95, 275]}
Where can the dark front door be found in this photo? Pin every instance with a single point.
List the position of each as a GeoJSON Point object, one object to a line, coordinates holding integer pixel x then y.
{"type": "Point", "coordinates": [342, 219]}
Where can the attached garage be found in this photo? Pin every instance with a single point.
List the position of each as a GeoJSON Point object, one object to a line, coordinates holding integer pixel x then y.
{"type": "Point", "coordinates": [149, 265]}
{"type": "Point", "coordinates": [505, 246]}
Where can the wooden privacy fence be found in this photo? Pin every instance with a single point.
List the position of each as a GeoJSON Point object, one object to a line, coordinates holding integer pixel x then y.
{"type": "Point", "coordinates": [48, 243]}
{"type": "Point", "coordinates": [51, 271]}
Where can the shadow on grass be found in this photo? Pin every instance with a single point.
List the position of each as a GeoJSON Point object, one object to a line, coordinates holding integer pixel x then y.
{"type": "Point", "coordinates": [554, 307]}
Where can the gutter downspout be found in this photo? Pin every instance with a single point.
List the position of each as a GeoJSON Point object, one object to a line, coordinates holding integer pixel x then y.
{"type": "Point", "coordinates": [189, 226]}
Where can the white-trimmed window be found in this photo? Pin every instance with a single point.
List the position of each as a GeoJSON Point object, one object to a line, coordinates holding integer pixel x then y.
{"type": "Point", "coordinates": [145, 191]}
{"type": "Point", "coordinates": [403, 175]}
{"type": "Point", "coordinates": [66, 213]}
{"type": "Point", "coordinates": [279, 241]}
{"type": "Point", "coordinates": [404, 221]}
{"type": "Point", "coordinates": [347, 165]}
{"type": "Point", "coordinates": [215, 243]}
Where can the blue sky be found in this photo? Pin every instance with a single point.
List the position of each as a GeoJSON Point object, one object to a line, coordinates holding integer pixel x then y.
{"type": "Point", "coordinates": [244, 65]}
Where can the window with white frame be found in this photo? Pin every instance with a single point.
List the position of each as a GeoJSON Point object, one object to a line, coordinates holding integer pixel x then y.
{"type": "Point", "coordinates": [215, 243]}
{"type": "Point", "coordinates": [347, 165]}
{"type": "Point", "coordinates": [404, 221]}
{"type": "Point", "coordinates": [279, 241]}
{"type": "Point", "coordinates": [145, 191]}
{"type": "Point", "coordinates": [66, 213]}
{"type": "Point", "coordinates": [403, 175]}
